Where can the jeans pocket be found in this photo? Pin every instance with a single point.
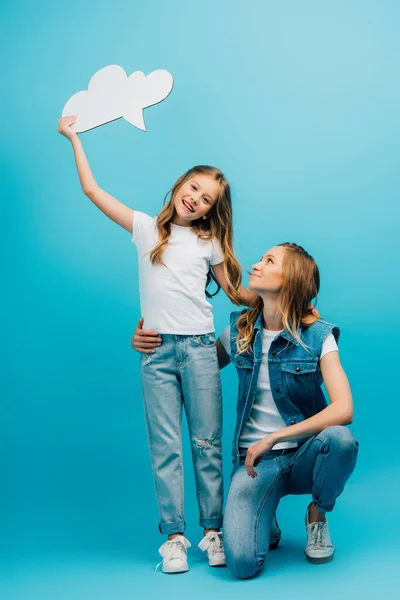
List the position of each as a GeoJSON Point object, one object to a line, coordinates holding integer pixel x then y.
{"type": "Point", "coordinates": [206, 340]}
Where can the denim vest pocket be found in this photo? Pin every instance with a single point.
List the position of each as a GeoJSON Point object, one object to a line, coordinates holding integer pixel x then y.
{"type": "Point", "coordinates": [300, 367]}
{"type": "Point", "coordinates": [301, 379]}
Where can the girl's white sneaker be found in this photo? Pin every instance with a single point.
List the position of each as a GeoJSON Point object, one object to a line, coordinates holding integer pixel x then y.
{"type": "Point", "coordinates": [213, 544]}
{"type": "Point", "coordinates": [319, 547]}
{"type": "Point", "coordinates": [174, 555]}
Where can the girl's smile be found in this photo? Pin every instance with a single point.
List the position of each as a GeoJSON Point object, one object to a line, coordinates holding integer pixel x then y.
{"type": "Point", "coordinates": [188, 205]}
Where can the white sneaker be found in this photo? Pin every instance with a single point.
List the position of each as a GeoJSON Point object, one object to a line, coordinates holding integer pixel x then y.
{"type": "Point", "coordinates": [319, 547]}
{"type": "Point", "coordinates": [213, 544]}
{"type": "Point", "coordinates": [174, 555]}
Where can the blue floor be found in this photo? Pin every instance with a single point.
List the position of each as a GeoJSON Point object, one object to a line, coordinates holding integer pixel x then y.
{"type": "Point", "coordinates": [364, 528]}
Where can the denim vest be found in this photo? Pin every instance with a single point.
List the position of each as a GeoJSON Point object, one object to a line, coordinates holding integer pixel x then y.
{"type": "Point", "coordinates": [294, 372]}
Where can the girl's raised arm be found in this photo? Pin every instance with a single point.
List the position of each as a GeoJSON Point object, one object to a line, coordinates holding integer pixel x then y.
{"type": "Point", "coordinates": [247, 297]}
{"type": "Point", "coordinates": [110, 206]}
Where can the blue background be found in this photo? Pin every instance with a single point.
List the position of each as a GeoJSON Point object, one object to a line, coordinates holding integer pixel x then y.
{"type": "Point", "coordinates": [298, 103]}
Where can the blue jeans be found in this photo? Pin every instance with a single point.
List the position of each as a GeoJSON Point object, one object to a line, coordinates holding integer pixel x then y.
{"type": "Point", "coordinates": [183, 372]}
{"type": "Point", "coordinates": [321, 467]}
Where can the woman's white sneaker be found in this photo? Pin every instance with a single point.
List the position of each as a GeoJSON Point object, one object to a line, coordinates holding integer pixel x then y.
{"type": "Point", "coordinates": [319, 547]}
{"type": "Point", "coordinates": [174, 555]}
{"type": "Point", "coordinates": [213, 544]}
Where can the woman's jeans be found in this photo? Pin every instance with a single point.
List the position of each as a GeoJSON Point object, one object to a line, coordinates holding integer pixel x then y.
{"type": "Point", "coordinates": [320, 467]}
{"type": "Point", "coordinates": [184, 372]}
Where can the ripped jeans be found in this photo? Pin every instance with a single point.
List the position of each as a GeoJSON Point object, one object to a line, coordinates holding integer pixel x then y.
{"type": "Point", "coordinates": [183, 372]}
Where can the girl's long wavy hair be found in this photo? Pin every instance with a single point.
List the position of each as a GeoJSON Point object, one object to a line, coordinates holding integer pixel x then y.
{"type": "Point", "coordinates": [301, 283]}
{"type": "Point", "coordinates": [218, 224]}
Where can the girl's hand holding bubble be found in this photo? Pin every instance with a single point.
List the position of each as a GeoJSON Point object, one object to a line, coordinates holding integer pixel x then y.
{"type": "Point", "coordinates": [65, 127]}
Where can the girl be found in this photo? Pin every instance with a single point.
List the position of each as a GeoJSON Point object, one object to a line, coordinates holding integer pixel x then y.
{"type": "Point", "coordinates": [176, 251]}
{"type": "Point", "coordinates": [287, 441]}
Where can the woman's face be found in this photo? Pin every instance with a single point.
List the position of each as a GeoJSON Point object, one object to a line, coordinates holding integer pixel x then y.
{"type": "Point", "coordinates": [267, 275]}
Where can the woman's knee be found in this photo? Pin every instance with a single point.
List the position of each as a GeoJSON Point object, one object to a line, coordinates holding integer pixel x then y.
{"type": "Point", "coordinates": [240, 552]}
{"type": "Point", "coordinates": [339, 439]}
{"type": "Point", "coordinates": [241, 565]}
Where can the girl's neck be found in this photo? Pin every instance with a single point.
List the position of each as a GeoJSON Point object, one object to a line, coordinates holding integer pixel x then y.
{"type": "Point", "coordinates": [272, 317]}
{"type": "Point", "coordinates": [176, 220]}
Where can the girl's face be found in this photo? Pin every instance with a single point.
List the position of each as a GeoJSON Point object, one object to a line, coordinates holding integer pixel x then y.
{"type": "Point", "coordinates": [267, 275]}
{"type": "Point", "coordinates": [194, 199]}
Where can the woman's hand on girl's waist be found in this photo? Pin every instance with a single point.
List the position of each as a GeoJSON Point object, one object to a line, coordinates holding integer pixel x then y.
{"type": "Point", "coordinates": [145, 340]}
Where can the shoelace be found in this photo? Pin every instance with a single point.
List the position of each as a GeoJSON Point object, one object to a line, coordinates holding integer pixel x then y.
{"type": "Point", "coordinates": [213, 542]}
{"type": "Point", "coordinates": [173, 549]}
{"type": "Point", "coordinates": [319, 531]}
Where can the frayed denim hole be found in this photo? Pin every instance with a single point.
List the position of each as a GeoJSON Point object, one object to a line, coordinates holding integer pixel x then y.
{"type": "Point", "coordinates": [147, 360]}
{"type": "Point", "coordinates": [204, 444]}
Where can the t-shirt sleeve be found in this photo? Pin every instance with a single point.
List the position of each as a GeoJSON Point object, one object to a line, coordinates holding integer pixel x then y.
{"type": "Point", "coordinates": [141, 223]}
{"type": "Point", "coordinates": [225, 339]}
{"type": "Point", "coordinates": [329, 345]}
{"type": "Point", "coordinates": [217, 256]}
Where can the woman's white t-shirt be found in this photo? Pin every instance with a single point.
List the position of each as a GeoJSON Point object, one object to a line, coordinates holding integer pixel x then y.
{"type": "Point", "coordinates": [172, 297]}
{"type": "Point", "coordinates": [264, 417]}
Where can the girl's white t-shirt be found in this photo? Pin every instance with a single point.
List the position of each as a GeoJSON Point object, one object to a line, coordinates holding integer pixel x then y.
{"type": "Point", "coordinates": [172, 297]}
{"type": "Point", "coordinates": [264, 417]}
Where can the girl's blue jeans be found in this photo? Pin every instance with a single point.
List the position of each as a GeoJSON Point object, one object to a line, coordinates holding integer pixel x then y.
{"type": "Point", "coordinates": [320, 467]}
{"type": "Point", "coordinates": [184, 373]}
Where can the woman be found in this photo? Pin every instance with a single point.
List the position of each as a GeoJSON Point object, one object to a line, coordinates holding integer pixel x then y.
{"type": "Point", "coordinates": [287, 440]}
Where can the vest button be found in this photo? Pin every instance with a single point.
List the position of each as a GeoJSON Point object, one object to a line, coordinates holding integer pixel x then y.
{"type": "Point", "coordinates": [273, 353]}
{"type": "Point", "coordinates": [297, 369]}
{"type": "Point", "coordinates": [277, 389]}
{"type": "Point", "coordinates": [292, 422]}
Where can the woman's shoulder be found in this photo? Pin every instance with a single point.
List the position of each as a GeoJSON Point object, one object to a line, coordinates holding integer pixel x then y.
{"type": "Point", "coordinates": [321, 329]}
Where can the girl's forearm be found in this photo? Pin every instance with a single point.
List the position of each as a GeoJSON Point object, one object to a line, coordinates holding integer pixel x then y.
{"type": "Point", "coordinates": [86, 178]}
{"type": "Point", "coordinates": [247, 296]}
{"type": "Point", "coordinates": [334, 414]}
{"type": "Point", "coordinates": [110, 206]}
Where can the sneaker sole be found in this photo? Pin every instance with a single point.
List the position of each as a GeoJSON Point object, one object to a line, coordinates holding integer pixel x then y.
{"type": "Point", "coordinates": [319, 561]}
{"type": "Point", "coordinates": [172, 572]}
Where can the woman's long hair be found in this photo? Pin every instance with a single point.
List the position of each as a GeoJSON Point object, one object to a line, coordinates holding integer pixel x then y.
{"type": "Point", "coordinates": [300, 286]}
{"type": "Point", "coordinates": [218, 224]}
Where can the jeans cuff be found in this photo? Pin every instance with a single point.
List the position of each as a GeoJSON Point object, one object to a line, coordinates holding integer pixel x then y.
{"type": "Point", "coordinates": [323, 507]}
{"type": "Point", "coordinates": [211, 523]}
{"type": "Point", "coordinates": [169, 528]}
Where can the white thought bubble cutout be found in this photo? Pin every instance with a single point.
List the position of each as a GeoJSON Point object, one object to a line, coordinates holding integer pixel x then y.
{"type": "Point", "coordinates": [112, 95]}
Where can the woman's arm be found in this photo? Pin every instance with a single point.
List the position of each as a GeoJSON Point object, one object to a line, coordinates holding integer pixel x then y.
{"type": "Point", "coordinates": [339, 412]}
{"type": "Point", "coordinates": [247, 296]}
{"type": "Point", "coordinates": [223, 356]}
{"type": "Point", "coordinates": [110, 206]}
